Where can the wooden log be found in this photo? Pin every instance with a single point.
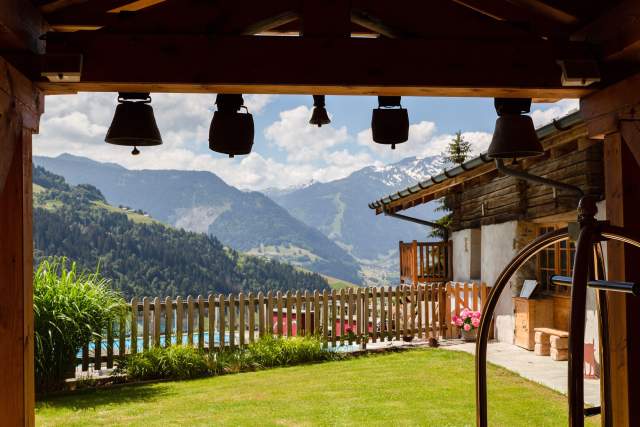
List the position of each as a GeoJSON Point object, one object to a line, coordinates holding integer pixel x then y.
{"type": "Point", "coordinates": [289, 305]}
{"type": "Point", "coordinates": [307, 313]}
{"type": "Point", "coordinates": [134, 325]}
{"type": "Point", "coordinates": [316, 313]}
{"type": "Point", "coordinates": [299, 314]}
{"type": "Point", "coordinates": [261, 315]}
{"type": "Point", "coordinates": [179, 319]}
{"type": "Point", "coordinates": [541, 349]}
{"type": "Point", "coordinates": [168, 321]}
{"type": "Point", "coordinates": [145, 323]}
{"type": "Point", "coordinates": [325, 318]}
{"type": "Point", "coordinates": [156, 321]}
{"type": "Point", "coordinates": [447, 311]}
{"type": "Point", "coordinates": [374, 314]}
{"type": "Point", "coordinates": [211, 311]}
{"type": "Point", "coordinates": [241, 319]}
{"type": "Point", "coordinates": [279, 328]}
{"type": "Point", "coordinates": [190, 320]}
{"type": "Point", "coordinates": [334, 316]}
{"type": "Point", "coordinates": [85, 357]}
{"type": "Point", "coordinates": [232, 321]}
{"type": "Point", "coordinates": [557, 354]}
{"type": "Point", "coordinates": [269, 314]}
{"type": "Point", "coordinates": [560, 343]}
{"type": "Point", "coordinates": [398, 299]}
{"type": "Point", "coordinates": [200, 322]}
{"type": "Point", "coordinates": [419, 310]}
{"type": "Point", "coordinates": [343, 314]}
{"type": "Point", "coordinates": [541, 338]}
{"type": "Point", "coordinates": [222, 313]}
{"type": "Point", "coordinates": [97, 353]}
{"type": "Point", "coordinates": [122, 336]}
{"type": "Point", "coordinates": [252, 317]}
{"type": "Point", "coordinates": [109, 345]}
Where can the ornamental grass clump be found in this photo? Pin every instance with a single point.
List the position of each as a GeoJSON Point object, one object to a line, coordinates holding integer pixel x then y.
{"type": "Point", "coordinates": [177, 363]}
{"type": "Point", "coordinates": [71, 308]}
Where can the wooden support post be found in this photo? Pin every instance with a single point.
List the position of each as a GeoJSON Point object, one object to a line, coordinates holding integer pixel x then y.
{"type": "Point", "coordinates": [623, 202]}
{"type": "Point", "coordinates": [20, 109]}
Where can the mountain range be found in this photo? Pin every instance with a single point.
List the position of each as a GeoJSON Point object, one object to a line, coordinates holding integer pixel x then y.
{"type": "Point", "coordinates": [323, 227]}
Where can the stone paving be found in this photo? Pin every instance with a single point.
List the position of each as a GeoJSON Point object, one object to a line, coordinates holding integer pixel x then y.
{"type": "Point", "coordinates": [540, 369]}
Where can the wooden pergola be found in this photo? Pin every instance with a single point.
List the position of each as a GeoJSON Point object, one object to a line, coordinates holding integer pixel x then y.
{"type": "Point", "coordinates": [491, 48]}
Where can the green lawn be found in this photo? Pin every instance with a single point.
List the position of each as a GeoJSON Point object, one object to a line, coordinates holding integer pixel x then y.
{"type": "Point", "coordinates": [420, 387]}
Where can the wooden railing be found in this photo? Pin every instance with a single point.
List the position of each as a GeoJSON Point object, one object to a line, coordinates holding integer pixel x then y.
{"type": "Point", "coordinates": [345, 317]}
{"type": "Point", "coordinates": [425, 262]}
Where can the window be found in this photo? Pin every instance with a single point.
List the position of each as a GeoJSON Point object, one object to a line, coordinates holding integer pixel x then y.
{"type": "Point", "coordinates": [554, 259]}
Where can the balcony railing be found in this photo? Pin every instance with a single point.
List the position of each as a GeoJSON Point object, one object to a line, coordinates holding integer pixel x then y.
{"type": "Point", "coordinates": [425, 262]}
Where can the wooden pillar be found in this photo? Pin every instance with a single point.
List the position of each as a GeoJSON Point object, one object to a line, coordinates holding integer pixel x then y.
{"type": "Point", "coordinates": [20, 106]}
{"type": "Point", "coordinates": [623, 204]}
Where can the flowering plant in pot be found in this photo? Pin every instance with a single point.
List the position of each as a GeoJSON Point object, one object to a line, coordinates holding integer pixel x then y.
{"type": "Point", "coordinates": [468, 322]}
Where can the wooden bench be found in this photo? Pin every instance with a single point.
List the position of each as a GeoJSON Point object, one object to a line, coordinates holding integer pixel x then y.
{"type": "Point", "coordinates": [552, 342]}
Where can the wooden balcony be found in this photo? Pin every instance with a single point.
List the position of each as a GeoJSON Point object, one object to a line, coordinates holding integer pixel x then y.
{"type": "Point", "coordinates": [425, 262]}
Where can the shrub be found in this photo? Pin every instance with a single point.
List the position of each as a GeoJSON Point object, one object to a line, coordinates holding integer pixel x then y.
{"type": "Point", "coordinates": [271, 351]}
{"type": "Point", "coordinates": [177, 363]}
{"type": "Point", "coordinates": [71, 308]}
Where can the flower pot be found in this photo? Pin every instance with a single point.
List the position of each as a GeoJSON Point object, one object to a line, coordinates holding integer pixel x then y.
{"type": "Point", "coordinates": [469, 336]}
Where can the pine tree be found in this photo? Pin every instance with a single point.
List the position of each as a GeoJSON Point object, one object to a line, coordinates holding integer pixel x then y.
{"type": "Point", "coordinates": [458, 150]}
{"type": "Point", "coordinates": [457, 153]}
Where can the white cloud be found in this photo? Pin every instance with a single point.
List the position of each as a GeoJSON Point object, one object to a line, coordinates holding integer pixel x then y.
{"type": "Point", "coordinates": [543, 116]}
{"type": "Point", "coordinates": [301, 141]}
{"type": "Point", "coordinates": [423, 141]}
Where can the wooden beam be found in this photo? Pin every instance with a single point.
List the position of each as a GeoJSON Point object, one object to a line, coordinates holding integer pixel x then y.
{"type": "Point", "coordinates": [630, 131]}
{"type": "Point", "coordinates": [326, 18]}
{"type": "Point", "coordinates": [617, 32]}
{"type": "Point", "coordinates": [552, 12]}
{"type": "Point", "coordinates": [17, 405]}
{"type": "Point", "coordinates": [192, 63]}
{"type": "Point", "coordinates": [21, 26]}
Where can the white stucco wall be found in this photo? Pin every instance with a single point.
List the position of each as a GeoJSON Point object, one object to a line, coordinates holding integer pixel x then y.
{"type": "Point", "coordinates": [466, 254]}
{"type": "Point", "coordinates": [498, 244]}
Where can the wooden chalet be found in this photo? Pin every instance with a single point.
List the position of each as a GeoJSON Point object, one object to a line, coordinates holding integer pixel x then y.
{"type": "Point", "coordinates": [541, 49]}
{"type": "Point", "coordinates": [494, 216]}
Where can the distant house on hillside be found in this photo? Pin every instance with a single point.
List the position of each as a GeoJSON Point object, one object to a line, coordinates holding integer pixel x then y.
{"type": "Point", "coordinates": [494, 216]}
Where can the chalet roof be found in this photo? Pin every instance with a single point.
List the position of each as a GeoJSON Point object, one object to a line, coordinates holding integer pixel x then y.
{"type": "Point", "coordinates": [450, 178]}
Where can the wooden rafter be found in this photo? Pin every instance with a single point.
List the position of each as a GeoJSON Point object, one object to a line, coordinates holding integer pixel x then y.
{"type": "Point", "coordinates": [21, 25]}
{"type": "Point", "coordinates": [285, 65]}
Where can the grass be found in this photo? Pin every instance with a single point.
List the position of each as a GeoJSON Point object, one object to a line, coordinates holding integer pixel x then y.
{"type": "Point", "coordinates": [428, 387]}
{"type": "Point", "coordinates": [133, 216]}
{"type": "Point", "coordinates": [338, 284]}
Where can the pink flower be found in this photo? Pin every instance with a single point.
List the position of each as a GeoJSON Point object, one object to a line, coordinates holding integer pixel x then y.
{"type": "Point", "coordinates": [467, 327]}
{"type": "Point", "coordinates": [475, 322]}
{"type": "Point", "coordinates": [476, 314]}
{"type": "Point", "coordinates": [459, 322]}
{"type": "Point", "coordinates": [465, 313]}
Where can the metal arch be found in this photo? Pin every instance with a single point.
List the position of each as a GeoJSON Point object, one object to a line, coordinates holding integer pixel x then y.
{"type": "Point", "coordinates": [587, 250]}
{"type": "Point", "coordinates": [489, 308]}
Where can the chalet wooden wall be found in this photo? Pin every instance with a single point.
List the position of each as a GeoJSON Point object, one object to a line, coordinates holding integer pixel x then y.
{"type": "Point", "coordinates": [496, 198]}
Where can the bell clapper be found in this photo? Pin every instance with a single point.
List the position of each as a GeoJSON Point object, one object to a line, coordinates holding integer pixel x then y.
{"type": "Point", "coordinates": [135, 151]}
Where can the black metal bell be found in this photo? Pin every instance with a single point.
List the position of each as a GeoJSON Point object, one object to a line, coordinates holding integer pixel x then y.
{"type": "Point", "coordinates": [134, 124]}
{"type": "Point", "coordinates": [231, 132]}
{"type": "Point", "coordinates": [514, 135]}
{"type": "Point", "coordinates": [390, 122]}
{"type": "Point", "coordinates": [319, 115]}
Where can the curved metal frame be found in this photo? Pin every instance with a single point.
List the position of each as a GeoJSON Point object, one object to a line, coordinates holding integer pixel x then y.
{"type": "Point", "coordinates": [590, 234]}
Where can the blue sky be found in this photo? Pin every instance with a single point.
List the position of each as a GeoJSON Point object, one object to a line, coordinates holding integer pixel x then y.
{"type": "Point", "coordinates": [287, 150]}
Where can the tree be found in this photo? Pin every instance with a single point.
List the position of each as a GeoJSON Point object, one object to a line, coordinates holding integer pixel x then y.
{"type": "Point", "coordinates": [458, 151]}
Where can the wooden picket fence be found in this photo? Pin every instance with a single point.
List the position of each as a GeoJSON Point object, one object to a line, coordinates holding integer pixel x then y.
{"type": "Point", "coordinates": [344, 317]}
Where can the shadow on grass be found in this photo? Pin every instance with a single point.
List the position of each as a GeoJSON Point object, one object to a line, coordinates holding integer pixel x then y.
{"type": "Point", "coordinates": [94, 398]}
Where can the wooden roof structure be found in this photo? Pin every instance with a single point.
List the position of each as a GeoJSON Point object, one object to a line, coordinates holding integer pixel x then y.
{"type": "Point", "coordinates": [356, 47]}
{"type": "Point", "coordinates": [541, 49]}
{"type": "Point", "coordinates": [455, 178]}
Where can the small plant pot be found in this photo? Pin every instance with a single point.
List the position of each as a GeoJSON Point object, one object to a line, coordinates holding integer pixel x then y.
{"type": "Point", "coordinates": [469, 336]}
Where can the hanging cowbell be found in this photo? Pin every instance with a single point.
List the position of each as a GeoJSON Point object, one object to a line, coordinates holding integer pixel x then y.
{"type": "Point", "coordinates": [319, 116]}
{"type": "Point", "coordinates": [390, 122]}
{"type": "Point", "coordinates": [231, 131]}
{"type": "Point", "coordinates": [514, 135]}
{"type": "Point", "coordinates": [134, 124]}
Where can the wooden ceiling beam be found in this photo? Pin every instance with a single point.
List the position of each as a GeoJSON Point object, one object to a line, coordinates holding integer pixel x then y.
{"type": "Point", "coordinates": [293, 64]}
{"type": "Point", "coordinates": [549, 11]}
{"type": "Point", "coordinates": [322, 18]}
{"type": "Point", "coordinates": [618, 32]}
{"type": "Point", "coordinates": [21, 25]}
